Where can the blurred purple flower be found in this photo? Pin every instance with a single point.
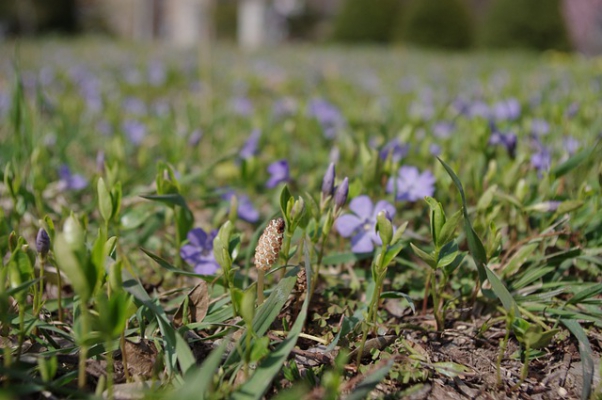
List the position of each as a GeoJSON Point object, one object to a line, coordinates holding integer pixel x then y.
{"type": "Point", "coordinates": [572, 110]}
{"type": "Point", "coordinates": [251, 146]}
{"type": "Point", "coordinates": [434, 149]}
{"type": "Point", "coordinates": [411, 184]}
{"type": "Point", "coordinates": [70, 181]}
{"type": "Point", "coordinates": [478, 108]}
{"type": "Point", "coordinates": [360, 225]}
{"type": "Point", "coordinates": [541, 159]}
{"type": "Point", "coordinates": [134, 130]}
{"type": "Point", "coordinates": [241, 105]}
{"type": "Point", "coordinates": [328, 181]}
{"type": "Point", "coordinates": [443, 130]}
{"type": "Point", "coordinates": [198, 253]}
{"type": "Point", "coordinates": [571, 145]}
{"type": "Point", "coordinates": [195, 137]}
{"type": "Point", "coordinates": [552, 205]}
{"type": "Point", "coordinates": [156, 73]}
{"type": "Point", "coordinates": [506, 110]}
{"type": "Point", "coordinates": [284, 107]}
{"type": "Point", "coordinates": [279, 172]}
{"type": "Point", "coordinates": [396, 149]}
{"type": "Point", "coordinates": [245, 210]}
{"type": "Point", "coordinates": [4, 103]}
{"type": "Point", "coordinates": [328, 116]}
{"type": "Point", "coordinates": [100, 161]}
{"type": "Point", "coordinates": [508, 140]}
{"type": "Point", "coordinates": [134, 105]}
{"type": "Point", "coordinates": [539, 127]}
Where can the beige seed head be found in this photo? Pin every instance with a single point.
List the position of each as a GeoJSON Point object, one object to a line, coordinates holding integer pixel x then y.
{"type": "Point", "coordinates": [268, 247]}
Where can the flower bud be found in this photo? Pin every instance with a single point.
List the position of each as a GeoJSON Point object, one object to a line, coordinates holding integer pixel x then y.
{"type": "Point", "coordinates": [384, 227]}
{"type": "Point", "coordinates": [328, 181]}
{"type": "Point", "coordinates": [269, 244]}
{"type": "Point", "coordinates": [42, 242]}
{"type": "Point", "coordinates": [340, 196]}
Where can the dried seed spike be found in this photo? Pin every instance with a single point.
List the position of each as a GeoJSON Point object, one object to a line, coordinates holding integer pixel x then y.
{"type": "Point", "coordinates": [269, 244]}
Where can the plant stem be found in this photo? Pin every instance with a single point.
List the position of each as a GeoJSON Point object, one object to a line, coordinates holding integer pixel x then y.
{"type": "Point", "coordinates": [108, 346]}
{"type": "Point", "coordinates": [83, 348]}
{"type": "Point", "coordinates": [500, 356]}
{"type": "Point", "coordinates": [260, 279]}
{"type": "Point", "coordinates": [286, 247]}
{"type": "Point", "coordinates": [124, 358]}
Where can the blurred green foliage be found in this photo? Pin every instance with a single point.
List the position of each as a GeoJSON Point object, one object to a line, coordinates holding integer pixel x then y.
{"type": "Point", "coordinates": [533, 24]}
{"type": "Point", "coordinates": [446, 24]}
{"type": "Point", "coordinates": [366, 20]}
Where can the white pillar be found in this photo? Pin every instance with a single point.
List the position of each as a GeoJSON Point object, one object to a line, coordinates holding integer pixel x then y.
{"type": "Point", "coordinates": [184, 22]}
{"type": "Point", "coordinates": [251, 22]}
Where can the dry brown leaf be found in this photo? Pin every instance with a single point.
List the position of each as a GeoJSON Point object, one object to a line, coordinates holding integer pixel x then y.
{"type": "Point", "coordinates": [198, 304]}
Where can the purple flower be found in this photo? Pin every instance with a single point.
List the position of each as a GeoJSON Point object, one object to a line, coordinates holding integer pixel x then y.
{"type": "Point", "coordinates": [479, 109]}
{"type": "Point", "coordinates": [328, 181]}
{"type": "Point", "coordinates": [443, 130]}
{"type": "Point", "coordinates": [411, 184]}
{"type": "Point", "coordinates": [328, 116]}
{"type": "Point", "coordinates": [246, 211]}
{"type": "Point", "coordinates": [284, 107]}
{"type": "Point", "coordinates": [198, 253]}
{"type": "Point", "coordinates": [69, 181]}
{"type": "Point", "coordinates": [279, 172]}
{"type": "Point", "coordinates": [508, 140]}
{"type": "Point", "coordinates": [195, 137]}
{"type": "Point", "coordinates": [241, 106]}
{"type": "Point", "coordinates": [571, 145]}
{"type": "Point", "coordinates": [434, 149]}
{"type": "Point", "coordinates": [340, 194]}
{"type": "Point", "coordinates": [134, 130]}
{"type": "Point", "coordinates": [539, 127]}
{"type": "Point", "coordinates": [506, 110]}
{"type": "Point", "coordinates": [360, 225]}
{"type": "Point", "coordinates": [552, 205]}
{"type": "Point", "coordinates": [396, 149]}
{"type": "Point", "coordinates": [42, 242]}
{"type": "Point", "coordinates": [249, 149]}
{"type": "Point", "coordinates": [541, 160]}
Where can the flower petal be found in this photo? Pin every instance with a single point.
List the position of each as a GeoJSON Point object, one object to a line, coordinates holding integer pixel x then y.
{"type": "Point", "coordinates": [197, 237]}
{"type": "Point", "coordinates": [347, 224]}
{"type": "Point", "coordinates": [206, 268]}
{"type": "Point", "coordinates": [384, 205]}
{"type": "Point", "coordinates": [362, 243]}
{"type": "Point", "coordinates": [361, 206]}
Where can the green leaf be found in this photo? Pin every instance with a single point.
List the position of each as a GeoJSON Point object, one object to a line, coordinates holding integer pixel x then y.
{"type": "Point", "coordinates": [105, 202]}
{"type": "Point", "coordinates": [450, 369]}
{"type": "Point", "coordinates": [585, 351]}
{"type": "Point", "coordinates": [258, 384]}
{"type": "Point", "coordinates": [198, 381]}
{"type": "Point", "coordinates": [449, 228]}
{"type": "Point", "coordinates": [73, 268]}
{"type": "Point", "coordinates": [369, 383]}
{"type": "Point", "coordinates": [285, 196]}
{"type": "Point", "coordinates": [437, 218]}
{"type": "Point", "coordinates": [586, 293]}
{"type": "Point", "coordinates": [165, 264]}
{"type": "Point", "coordinates": [573, 162]}
{"type": "Point", "coordinates": [427, 258]}
{"type": "Point", "coordinates": [477, 251]}
{"type": "Point", "coordinates": [342, 258]}
{"type": "Point", "coordinates": [392, 252]}
{"type": "Point", "coordinates": [531, 276]}
{"type": "Point", "coordinates": [172, 199]}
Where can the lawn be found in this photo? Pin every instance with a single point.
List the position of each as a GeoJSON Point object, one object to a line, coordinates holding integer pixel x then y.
{"type": "Point", "coordinates": [303, 222]}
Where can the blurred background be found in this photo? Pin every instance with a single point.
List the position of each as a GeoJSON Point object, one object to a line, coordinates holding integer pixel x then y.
{"type": "Point", "coordinates": [565, 25]}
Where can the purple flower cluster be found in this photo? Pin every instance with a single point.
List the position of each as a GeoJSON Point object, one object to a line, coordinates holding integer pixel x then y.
{"type": "Point", "coordinates": [360, 225]}
{"type": "Point", "coordinates": [198, 253]}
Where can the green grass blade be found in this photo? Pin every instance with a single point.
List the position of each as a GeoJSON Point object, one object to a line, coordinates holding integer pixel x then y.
{"type": "Point", "coordinates": [477, 250]}
{"type": "Point", "coordinates": [362, 390]}
{"type": "Point", "coordinates": [197, 382]}
{"type": "Point", "coordinates": [259, 383]}
{"type": "Point", "coordinates": [585, 351]}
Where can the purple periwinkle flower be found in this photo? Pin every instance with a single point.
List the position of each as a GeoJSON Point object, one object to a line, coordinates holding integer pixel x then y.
{"type": "Point", "coordinates": [328, 181]}
{"type": "Point", "coordinates": [541, 159]}
{"type": "Point", "coordinates": [69, 181]}
{"type": "Point", "coordinates": [279, 172]}
{"type": "Point", "coordinates": [506, 110]}
{"type": "Point", "coordinates": [340, 194]}
{"type": "Point", "coordinates": [42, 242]}
{"type": "Point", "coordinates": [135, 131]}
{"type": "Point", "coordinates": [245, 210]}
{"type": "Point", "coordinates": [195, 137]}
{"type": "Point", "coordinates": [411, 185]}
{"type": "Point", "coordinates": [508, 140]}
{"type": "Point", "coordinates": [571, 145]}
{"type": "Point", "coordinates": [443, 130]}
{"type": "Point", "coordinates": [251, 146]}
{"type": "Point", "coordinates": [395, 149]}
{"type": "Point", "coordinates": [328, 116]}
{"type": "Point", "coordinates": [198, 253]}
{"type": "Point", "coordinates": [242, 106]}
{"type": "Point", "coordinates": [360, 225]}
{"type": "Point", "coordinates": [434, 149]}
{"type": "Point", "coordinates": [540, 127]}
